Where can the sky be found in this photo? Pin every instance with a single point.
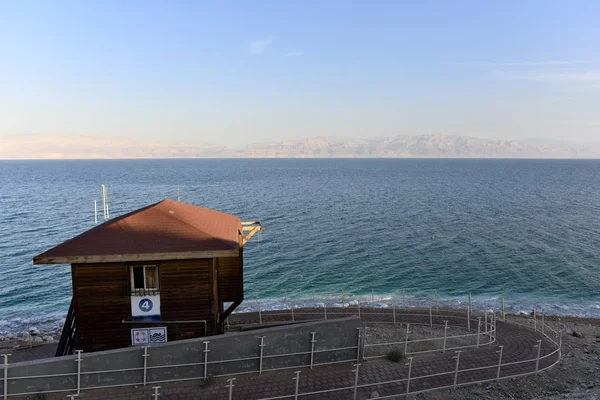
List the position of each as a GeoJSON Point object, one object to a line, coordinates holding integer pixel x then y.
{"type": "Point", "coordinates": [240, 72]}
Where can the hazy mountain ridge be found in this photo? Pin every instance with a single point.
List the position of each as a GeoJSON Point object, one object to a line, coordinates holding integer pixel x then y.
{"type": "Point", "coordinates": [402, 146]}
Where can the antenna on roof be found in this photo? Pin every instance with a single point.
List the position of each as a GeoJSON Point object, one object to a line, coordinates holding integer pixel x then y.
{"type": "Point", "coordinates": [96, 212]}
{"type": "Point", "coordinates": [105, 202]}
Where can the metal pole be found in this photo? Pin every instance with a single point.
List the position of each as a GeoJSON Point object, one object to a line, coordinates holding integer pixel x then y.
{"type": "Point", "coordinates": [410, 360]}
{"type": "Point", "coordinates": [503, 313]}
{"type": "Point", "coordinates": [404, 299]}
{"type": "Point", "coordinates": [470, 305]}
{"type": "Point", "coordinates": [78, 361]}
{"type": "Point", "coordinates": [469, 314]}
{"type": "Point", "coordinates": [445, 336]}
{"type": "Point", "coordinates": [261, 348]}
{"type": "Point", "coordinates": [492, 328]}
{"type": "Point", "coordinates": [312, 348]}
{"type": "Point", "coordinates": [478, 330]}
{"type": "Point", "coordinates": [358, 346]}
{"type": "Point", "coordinates": [357, 366]}
{"type": "Point", "coordinates": [456, 370]}
{"type": "Point", "coordinates": [406, 340]}
{"type": "Point", "coordinates": [96, 212]}
{"type": "Point", "coordinates": [156, 392]}
{"type": "Point", "coordinates": [325, 310]}
{"type": "Point", "coordinates": [259, 312]}
{"type": "Point", "coordinates": [206, 350]}
{"type": "Point", "coordinates": [537, 361]}
{"type": "Point", "coordinates": [499, 361]}
{"type": "Point", "coordinates": [5, 356]}
{"type": "Point", "coordinates": [436, 300]}
{"type": "Point", "coordinates": [297, 379]}
{"type": "Point", "coordinates": [394, 312]}
{"type": "Point", "coordinates": [145, 355]}
{"type": "Point", "coordinates": [485, 322]}
{"type": "Point", "coordinates": [359, 310]}
{"type": "Point", "coordinates": [293, 318]}
{"type": "Point", "coordinates": [430, 317]}
{"type": "Point", "coordinates": [342, 297]}
{"type": "Point", "coordinates": [230, 385]}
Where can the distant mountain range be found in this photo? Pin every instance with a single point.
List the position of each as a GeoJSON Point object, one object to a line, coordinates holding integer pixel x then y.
{"type": "Point", "coordinates": [402, 146]}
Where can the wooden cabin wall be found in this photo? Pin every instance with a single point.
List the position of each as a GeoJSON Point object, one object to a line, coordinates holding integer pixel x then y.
{"type": "Point", "coordinates": [102, 295]}
{"type": "Point", "coordinates": [102, 300]}
{"type": "Point", "coordinates": [231, 279]}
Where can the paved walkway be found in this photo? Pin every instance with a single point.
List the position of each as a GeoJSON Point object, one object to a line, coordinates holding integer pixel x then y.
{"type": "Point", "coordinates": [374, 375]}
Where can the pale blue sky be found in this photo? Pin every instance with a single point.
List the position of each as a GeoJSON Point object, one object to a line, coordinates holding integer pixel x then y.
{"type": "Point", "coordinates": [242, 72]}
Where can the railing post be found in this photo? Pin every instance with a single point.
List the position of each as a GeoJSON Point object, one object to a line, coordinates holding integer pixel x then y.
{"type": "Point", "coordinates": [470, 305]}
{"type": "Point", "coordinates": [259, 312]}
{"type": "Point", "coordinates": [356, 366]}
{"type": "Point", "coordinates": [312, 348]}
{"type": "Point", "coordinates": [478, 330]}
{"type": "Point", "coordinates": [436, 300]}
{"type": "Point", "coordinates": [539, 349]}
{"type": "Point", "coordinates": [5, 365]}
{"type": "Point", "coordinates": [430, 317]}
{"type": "Point", "coordinates": [445, 336]}
{"type": "Point", "coordinates": [357, 346]}
{"type": "Point", "coordinates": [72, 396]}
{"type": "Point", "coordinates": [78, 361]}
{"type": "Point", "coordinates": [410, 360]}
{"type": "Point", "coordinates": [325, 310]}
{"type": "Point", "coordinates": [492, 317]}
{"type": "Point", "coordinates": [261, 349]}
{"type": "Point", "coordinates": [469, 313]}
{"type": "Point", "coordinates": [358, 309]}
{"type": "Point", "coordinates": [156, 393]}
{"type": "Point", "coordinates": [499, 361]}
{"type": "Point", "coordinates": [456, 370]}
{"type": "Point", "coordinates": [297, 379]}
{"type": "Point", "coordinates": [503, 313]}
{"type": "Point", "coordinates": [394, 312]}
{"type": "Point", "coordinates": [230, 385]}
{"type": "Point", "coordinates": [145, 356]}
{"type": "Point", "coordinates": [485, 322]}
{"type": "Point", "coordinates": [293, 319]}
{"type": "Point", "coordinates": [206, 350]}
{"type": "Point", "coordinates": [406, 340]}
{"type": "Point", "coordinates": [404, 299]}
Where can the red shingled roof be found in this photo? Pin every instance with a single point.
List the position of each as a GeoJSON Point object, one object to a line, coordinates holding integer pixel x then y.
{"type": "Point", "coordinates": [165, 230]}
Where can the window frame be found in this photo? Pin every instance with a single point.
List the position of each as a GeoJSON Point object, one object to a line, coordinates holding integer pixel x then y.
{"type": "Point", "coordinates": [145, 290]}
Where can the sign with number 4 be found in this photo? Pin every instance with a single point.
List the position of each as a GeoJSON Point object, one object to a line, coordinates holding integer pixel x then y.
{"type": "Point", "coordinates": [145, 307]}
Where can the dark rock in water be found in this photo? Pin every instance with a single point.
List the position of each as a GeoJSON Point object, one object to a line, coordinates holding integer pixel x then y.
{"type": "Point", "coordinates": [577, 334]}
{"type": "Point", "coordinates": [597, 339]}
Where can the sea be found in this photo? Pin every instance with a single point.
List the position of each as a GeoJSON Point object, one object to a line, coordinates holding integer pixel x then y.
{"type": "Point", "coordinates": [336, 231]}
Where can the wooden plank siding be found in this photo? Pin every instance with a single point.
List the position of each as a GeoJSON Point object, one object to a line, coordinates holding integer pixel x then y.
{"type": "Point", "coordinates": [102, 296]}
{"type": "Point", "coordinates": [231, 284]}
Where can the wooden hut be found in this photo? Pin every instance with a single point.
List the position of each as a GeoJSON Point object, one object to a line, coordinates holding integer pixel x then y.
{"type": "Point", "coordinates": [160, 273]}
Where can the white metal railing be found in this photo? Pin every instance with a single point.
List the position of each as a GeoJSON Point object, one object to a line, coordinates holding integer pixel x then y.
{"type": "Point", "coordinates": [379, 317]}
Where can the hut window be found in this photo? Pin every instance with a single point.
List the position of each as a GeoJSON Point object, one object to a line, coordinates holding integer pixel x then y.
{"type": "Point", "coordinates": [144, 277]}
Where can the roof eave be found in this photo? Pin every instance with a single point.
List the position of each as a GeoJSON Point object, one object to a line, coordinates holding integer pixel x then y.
{"type": "Point", "coordinates": [149, 257]}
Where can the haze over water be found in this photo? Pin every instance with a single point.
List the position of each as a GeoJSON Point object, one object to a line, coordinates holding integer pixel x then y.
{"type": "Point", "coordinates": [525, 229]}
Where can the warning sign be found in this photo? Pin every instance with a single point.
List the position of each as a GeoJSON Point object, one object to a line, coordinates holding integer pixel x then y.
{"type": "Point", "coordinates": [143, 336]}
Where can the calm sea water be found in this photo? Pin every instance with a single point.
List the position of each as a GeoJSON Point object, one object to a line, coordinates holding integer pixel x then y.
{"type": "Point", "coordinates": [525, 229]}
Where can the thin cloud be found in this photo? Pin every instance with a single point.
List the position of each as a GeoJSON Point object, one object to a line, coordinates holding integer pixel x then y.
{"type": "Point", "coordinates": [259, 46]}
{"type": "Point", "coordinates": [591, 76]}
{"type": "Point", "coordinates": [295, 54]}
{"type": "Point", "coordinates": [540, 63]}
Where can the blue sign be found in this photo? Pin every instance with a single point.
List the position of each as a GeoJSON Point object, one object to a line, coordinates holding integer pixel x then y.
{"type": "Point", "coordinates": [146, 305]}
